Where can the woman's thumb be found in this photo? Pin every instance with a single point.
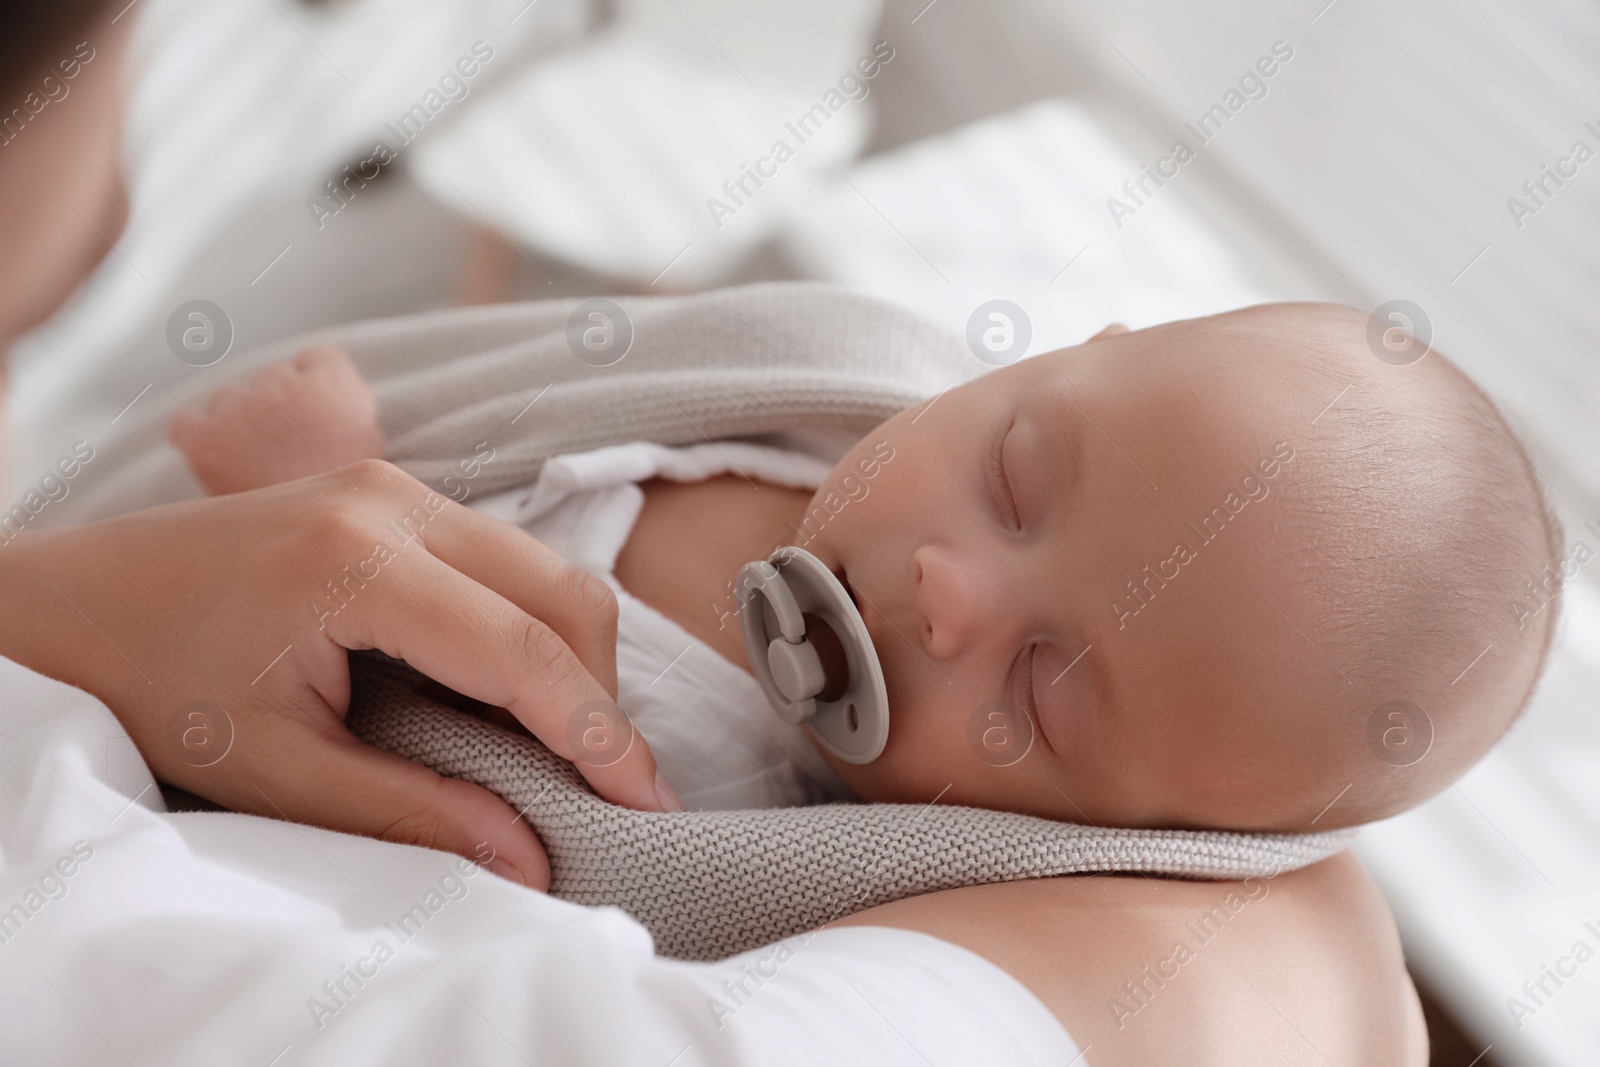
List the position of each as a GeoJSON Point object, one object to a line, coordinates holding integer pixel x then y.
{"type": "Point", "coordinates": [344, 785]}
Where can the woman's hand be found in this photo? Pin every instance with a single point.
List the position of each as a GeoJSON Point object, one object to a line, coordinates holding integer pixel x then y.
{"type": "Point", "coordinates": [247, 604]}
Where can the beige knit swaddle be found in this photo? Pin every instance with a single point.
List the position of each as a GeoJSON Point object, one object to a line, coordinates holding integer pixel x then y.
{"type": "Point", "coordinates": [710, 884]}
{"type": "Point", "coordinates": [750, 361]}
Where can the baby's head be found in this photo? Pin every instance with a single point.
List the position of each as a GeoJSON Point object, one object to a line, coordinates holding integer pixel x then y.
{"type": "Point", "coordinates": [1239, 572]}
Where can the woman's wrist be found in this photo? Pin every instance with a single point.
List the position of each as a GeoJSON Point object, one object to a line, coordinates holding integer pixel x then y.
{"type": "Point", "coordinates": [40, 626]}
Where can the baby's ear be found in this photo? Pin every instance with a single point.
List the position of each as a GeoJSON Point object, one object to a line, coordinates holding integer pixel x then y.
{"type": "Point", "coordinates": [1110, 331]}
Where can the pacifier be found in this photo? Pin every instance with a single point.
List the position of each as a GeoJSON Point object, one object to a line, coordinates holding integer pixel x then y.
{"type": "Point", "coordinates": [811, 653]}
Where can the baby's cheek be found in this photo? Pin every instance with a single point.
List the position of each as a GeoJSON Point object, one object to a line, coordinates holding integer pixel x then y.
{"type": "Point", "coordinates": [927, 757]}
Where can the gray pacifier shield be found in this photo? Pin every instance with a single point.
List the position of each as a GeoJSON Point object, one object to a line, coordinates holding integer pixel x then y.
{"type": "Point", "coordinates": [847, 711]}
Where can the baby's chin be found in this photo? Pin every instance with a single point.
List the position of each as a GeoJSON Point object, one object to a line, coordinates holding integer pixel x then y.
{"type": "Point", "coordinates": [871, 783]}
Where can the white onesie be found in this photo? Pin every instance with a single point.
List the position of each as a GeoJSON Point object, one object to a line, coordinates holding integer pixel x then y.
{"type": "Point", "coordinates": [715, 737]}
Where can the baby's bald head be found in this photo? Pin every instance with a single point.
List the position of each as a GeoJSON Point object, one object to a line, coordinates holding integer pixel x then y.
{"type": "Point", "coordinates": [1418, 522]}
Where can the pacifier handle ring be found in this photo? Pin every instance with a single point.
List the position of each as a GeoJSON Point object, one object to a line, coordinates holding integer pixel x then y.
{"type": "Point", "coordinates": [761, 584]}
{"type": "Point", "coordinates": [763, 578]}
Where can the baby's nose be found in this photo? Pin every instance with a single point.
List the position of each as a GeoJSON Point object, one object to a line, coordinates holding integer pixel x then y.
{"type": "Point", "coordinates": [955, 596]}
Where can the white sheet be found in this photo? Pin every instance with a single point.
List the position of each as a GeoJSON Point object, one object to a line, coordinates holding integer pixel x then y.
{"type": "Point", "coordinates": [145, 938]}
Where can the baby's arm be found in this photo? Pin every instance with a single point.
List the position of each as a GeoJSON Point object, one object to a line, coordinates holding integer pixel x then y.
{"type": "Point", "coordinates": [309, 415]}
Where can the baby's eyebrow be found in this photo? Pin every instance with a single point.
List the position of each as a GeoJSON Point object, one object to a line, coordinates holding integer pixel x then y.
{"type": "Point", "coordinates": [1066, 710]}
{"type": "Point", "coordinates": [1063, 414]}
{"type": "Point", "coordinates": [1105, 694]}
{"type": "Point", "coordinates": [1102, 692]}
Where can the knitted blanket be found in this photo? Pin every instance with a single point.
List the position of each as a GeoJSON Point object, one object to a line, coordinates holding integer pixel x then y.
{"type": "Point", "coordinates": [754, 361]}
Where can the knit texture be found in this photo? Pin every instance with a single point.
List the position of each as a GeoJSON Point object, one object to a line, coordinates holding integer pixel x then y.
{"type": "Point", "coordinates": [746, 362]}
{"type": "Point", "coordinates": [739, 362]}
{"type": "Point", "coordinates": [711, 884]}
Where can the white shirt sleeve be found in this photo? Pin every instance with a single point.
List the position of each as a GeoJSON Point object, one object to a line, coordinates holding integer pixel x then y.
{"type": "Point", "coordinates": [131, 936]}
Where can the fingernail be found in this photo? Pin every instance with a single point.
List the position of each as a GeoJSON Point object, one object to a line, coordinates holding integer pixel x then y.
{"type": "Point", "coordinates": [496, 865]}
{"type": "Point", "coordinates": [669, 797]}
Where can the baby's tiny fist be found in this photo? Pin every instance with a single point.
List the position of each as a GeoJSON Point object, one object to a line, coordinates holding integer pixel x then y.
{"type": "Point", "coordinates": [309, 415]}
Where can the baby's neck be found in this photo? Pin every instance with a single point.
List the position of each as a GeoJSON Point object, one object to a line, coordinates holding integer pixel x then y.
{"type": "Point", "coordinates": [689, 543]}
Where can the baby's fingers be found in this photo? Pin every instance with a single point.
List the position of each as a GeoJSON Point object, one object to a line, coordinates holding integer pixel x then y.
{"type": "Point", "coordinates": [324, 357]}
{"type": "Point", "coordinates": [183, 428]}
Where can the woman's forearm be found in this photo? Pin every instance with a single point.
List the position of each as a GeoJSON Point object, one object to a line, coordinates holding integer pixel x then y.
{"type": "Point", "coordinates": [1305, 966]}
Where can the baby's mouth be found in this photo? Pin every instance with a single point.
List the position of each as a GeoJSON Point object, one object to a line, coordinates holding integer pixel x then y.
{"type": "Point", "coordinates": [871, 651]}
{"type": "Point", "coordinates": [850, 591]}
{"type": "Point", "coordinates": [856, 601]}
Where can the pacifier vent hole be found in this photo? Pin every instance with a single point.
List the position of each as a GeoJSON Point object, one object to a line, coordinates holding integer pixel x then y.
{"type": "Point", "coordinates": [854, 719]}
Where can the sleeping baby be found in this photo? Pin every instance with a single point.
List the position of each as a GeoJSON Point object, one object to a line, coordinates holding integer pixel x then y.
{"type": "Point", "coordinates": [1231, 573]}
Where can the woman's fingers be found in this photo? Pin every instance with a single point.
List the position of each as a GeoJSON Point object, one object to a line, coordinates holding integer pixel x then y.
{"type": "Point", "coordinates": [571, 601]}
{"type": "Point", "coordinates": [248, 602]}
{"type": "Point", "coordinates": [414, 606]}
{"type": "Point", "coordinates": [339, 783]}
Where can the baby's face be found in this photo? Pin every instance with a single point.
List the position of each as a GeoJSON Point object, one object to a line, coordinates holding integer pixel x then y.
{"type": "Point", "coordinates": [1091, 536]}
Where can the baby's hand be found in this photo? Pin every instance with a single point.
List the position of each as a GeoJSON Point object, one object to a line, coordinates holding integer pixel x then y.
{"type": "Point", "coordinates": [309, 415]}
